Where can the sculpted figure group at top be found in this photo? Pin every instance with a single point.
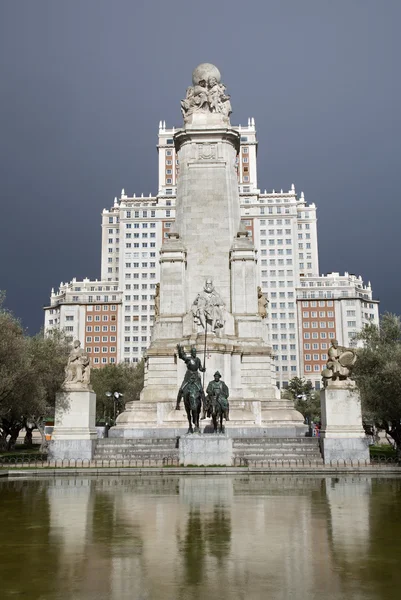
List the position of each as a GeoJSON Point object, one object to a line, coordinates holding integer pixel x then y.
{"type": "Point", "coordinates": [207, 94]}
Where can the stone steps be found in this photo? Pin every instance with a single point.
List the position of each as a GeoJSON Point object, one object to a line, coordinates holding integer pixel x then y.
{"type": "Point", "coordinates": [141, 449]}
{"type": "Point", "coordinates": [245, 450]}
{"type": "Point", "coordinates": [277, 450]}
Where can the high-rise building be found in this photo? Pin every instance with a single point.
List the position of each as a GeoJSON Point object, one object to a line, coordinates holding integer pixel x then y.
{"type": "Point", "coordinates": [329, 307]}
{"type": "Point", "coordinates": [282, 225]}
{"type": "Point", "coordinates": [89, 311]}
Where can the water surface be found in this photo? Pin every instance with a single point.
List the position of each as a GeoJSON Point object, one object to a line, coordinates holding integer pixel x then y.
{"type": "Point", "coordinates": [195, 538]}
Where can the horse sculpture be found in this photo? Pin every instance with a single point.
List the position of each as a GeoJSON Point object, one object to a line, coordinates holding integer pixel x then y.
{"type": "Point", "coordinates": [217, 402]}
{"type": "Point", "coordinates": [218, 412]}
{"type": "Point", "coordinates": [191, 388]}
{"type": "Point", "coordinates": [192, 402]}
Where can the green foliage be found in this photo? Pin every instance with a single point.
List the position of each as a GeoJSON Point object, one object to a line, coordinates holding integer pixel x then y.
{"type": "Point", "coordinates": [31, 372]}
{"type": "Point", "coordinates": [123, 378]}
{"type": "Point", "coordinates": [306, 399]}
{"type": "Point", "coordinates": [378, 375]}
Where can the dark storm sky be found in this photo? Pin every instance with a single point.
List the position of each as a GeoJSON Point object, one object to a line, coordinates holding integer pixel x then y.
{"type": "Point", "coordinates": [84, 84]}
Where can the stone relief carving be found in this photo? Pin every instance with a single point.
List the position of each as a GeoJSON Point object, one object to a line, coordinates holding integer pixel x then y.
{"type": "Point", "coordinates": [207, 151]}
{"type": "Point", "coordinates": [208, 307]}
{"type": "Point", "coordinates": [77, 371]}
{"type": "Point", "coordinates": [262, 303]}
{"type": "Point", "coordinates": [207, 94]}
{"type": "Point", "coordinates": [339, 365]}
{"type": "Point", "coordinates": [157, 301]}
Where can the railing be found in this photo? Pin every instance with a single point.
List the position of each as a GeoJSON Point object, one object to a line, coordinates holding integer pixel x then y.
{"type": "Point", "coordinates": [173, 461]}
{"type": "Point", "coordinates": [317, 463]}
{"type": "Point", "coordinates": [86, 463]}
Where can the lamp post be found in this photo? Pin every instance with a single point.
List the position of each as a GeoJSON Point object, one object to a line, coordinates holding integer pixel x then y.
{"type": "Point", "coordinates": [117, 396]}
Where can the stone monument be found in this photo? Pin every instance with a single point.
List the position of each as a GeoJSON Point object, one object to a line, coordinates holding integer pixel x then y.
{"type": "Point", "coordinates": [74, 431]}
{"type": "Point", "coordinates": [342, 435]}
{"type": "Point", "coordinates": [208, 279]}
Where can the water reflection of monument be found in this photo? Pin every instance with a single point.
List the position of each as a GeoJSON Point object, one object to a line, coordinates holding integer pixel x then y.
{"type": "Point", "coordinates": [208, 295]}
{"type": "Point", "coordinates": [179, 537]}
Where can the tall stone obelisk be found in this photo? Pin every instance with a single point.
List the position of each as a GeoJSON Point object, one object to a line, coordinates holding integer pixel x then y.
{"type": "Point", "coordinates": [208, 283]}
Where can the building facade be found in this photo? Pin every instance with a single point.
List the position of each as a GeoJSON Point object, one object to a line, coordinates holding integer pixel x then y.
{"type": "Point", "coordinates": [283, 227]}
{"type": "Point", "coordinates": [329, 307]}
{"type": "Point", "coordinates": [89, 311]}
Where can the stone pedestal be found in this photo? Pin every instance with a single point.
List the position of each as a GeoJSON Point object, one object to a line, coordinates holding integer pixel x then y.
{"type": "Point", "coordinates": [74, 435]}
{"type": "Point", "coordinates": [342, 435]}
{"type": "Point", "coordinates": [206, 449]}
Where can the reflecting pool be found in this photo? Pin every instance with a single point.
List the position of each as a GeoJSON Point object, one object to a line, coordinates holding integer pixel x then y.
{"type": "Point", "coordinates": [225, 537]}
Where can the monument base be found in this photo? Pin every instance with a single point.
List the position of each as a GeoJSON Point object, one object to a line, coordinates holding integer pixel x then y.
{"type": "Point", "coordinates": [343, 438]}
{"type": "Point", "coordinates": [247, 419]}
{"type": "Point", "coordinates": [345, 450]}
{"type": "Point", "coordinates": [74, 435]}
{"type": "Point", "coordinates": [206, 450]}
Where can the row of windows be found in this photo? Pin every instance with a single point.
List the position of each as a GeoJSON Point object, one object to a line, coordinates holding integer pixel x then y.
{"type": "Point", "coordinates": [321, 324]}
{"type": "Point", "coordinates": [144, 286]}
{"type": "Point", "coordinates": [275, 221]}
{"type": "Point", "coordinates": [137, 265]}
{"type": "Point", "coordinates": [316, 368]}
{"type": "Point", "coordinates": [89, 318]}
{"type": "Point", "coordinates": [284, 347]}
{"type": "Point", "coordinates": [98, 308]}
{"type": "Point", "coordinates": [127, 318]}
{"type": "Point", "coordinates": [137, 235]}
{"type": "Point", "coordinates": [315, 346]}
{"type": "Point", "coordinates": [278, 232]}
{"type": "Point", "coordinates": [139, 225]}
{"type": "Point", "coordinates": [104, 360]}
{"type": "Point", "coordinates": [96, 338]}
{"type": "Point", "coordinates": [272, 261]}
{"type": "Point", "coordinates": [285, 357]}
{"type": "Point", "coordinates": [316, 357]}
{"type": "Point", "coordinates": [135, 338]}
{"type": "Point", "coordinates": [283, 336]}
{"type": "Point", "coordinates": [143, 275]}
{"type": "Point", "coordinates": [313, 314]}
{"type": "Point", "coordinates": [127, 349]}
{"type": "Point", "coordinates": [96, 328]}
{"type": "Point", "coordinates": [314, 304]}
{"type": "Point", "coordinates": [280, 284]}
{"type": "Point", "coordinates": [282, 305]}
{"type": "Point", "coordinates": [279, 252]}
{"type": "Point", "coordinates": [105, 349]}
{"type": "Point", "coordinates": [322, 335]}
{"type": "Point", "coordinates": [282, 294]}
{"type": "Point", "coordinates": [280, 273]}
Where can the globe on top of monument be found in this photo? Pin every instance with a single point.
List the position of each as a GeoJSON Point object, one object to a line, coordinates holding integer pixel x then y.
{"type": "Point", "coordinates": [203, 72]}
{"type": "Point", "coordinates": [207, 95]}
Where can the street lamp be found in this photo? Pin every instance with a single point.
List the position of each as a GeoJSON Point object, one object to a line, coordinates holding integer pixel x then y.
{"type": "Point", "coordinates": [117, 396]}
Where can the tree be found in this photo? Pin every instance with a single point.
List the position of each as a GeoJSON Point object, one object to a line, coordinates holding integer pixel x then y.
{"type": "Point", "coordinates": [306, 399]}
{"type": "Point", "coordinates": [377, 374]}
{"type": "Point", "coordinates": [31, 372]}
{"type": "Point", "coordinates": [48, 357]}
{"type": "Point", "coordinates": [123, 378]}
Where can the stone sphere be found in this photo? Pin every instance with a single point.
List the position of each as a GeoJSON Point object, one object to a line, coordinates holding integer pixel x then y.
{"type": "Point", "coordinates": [204, 71]}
